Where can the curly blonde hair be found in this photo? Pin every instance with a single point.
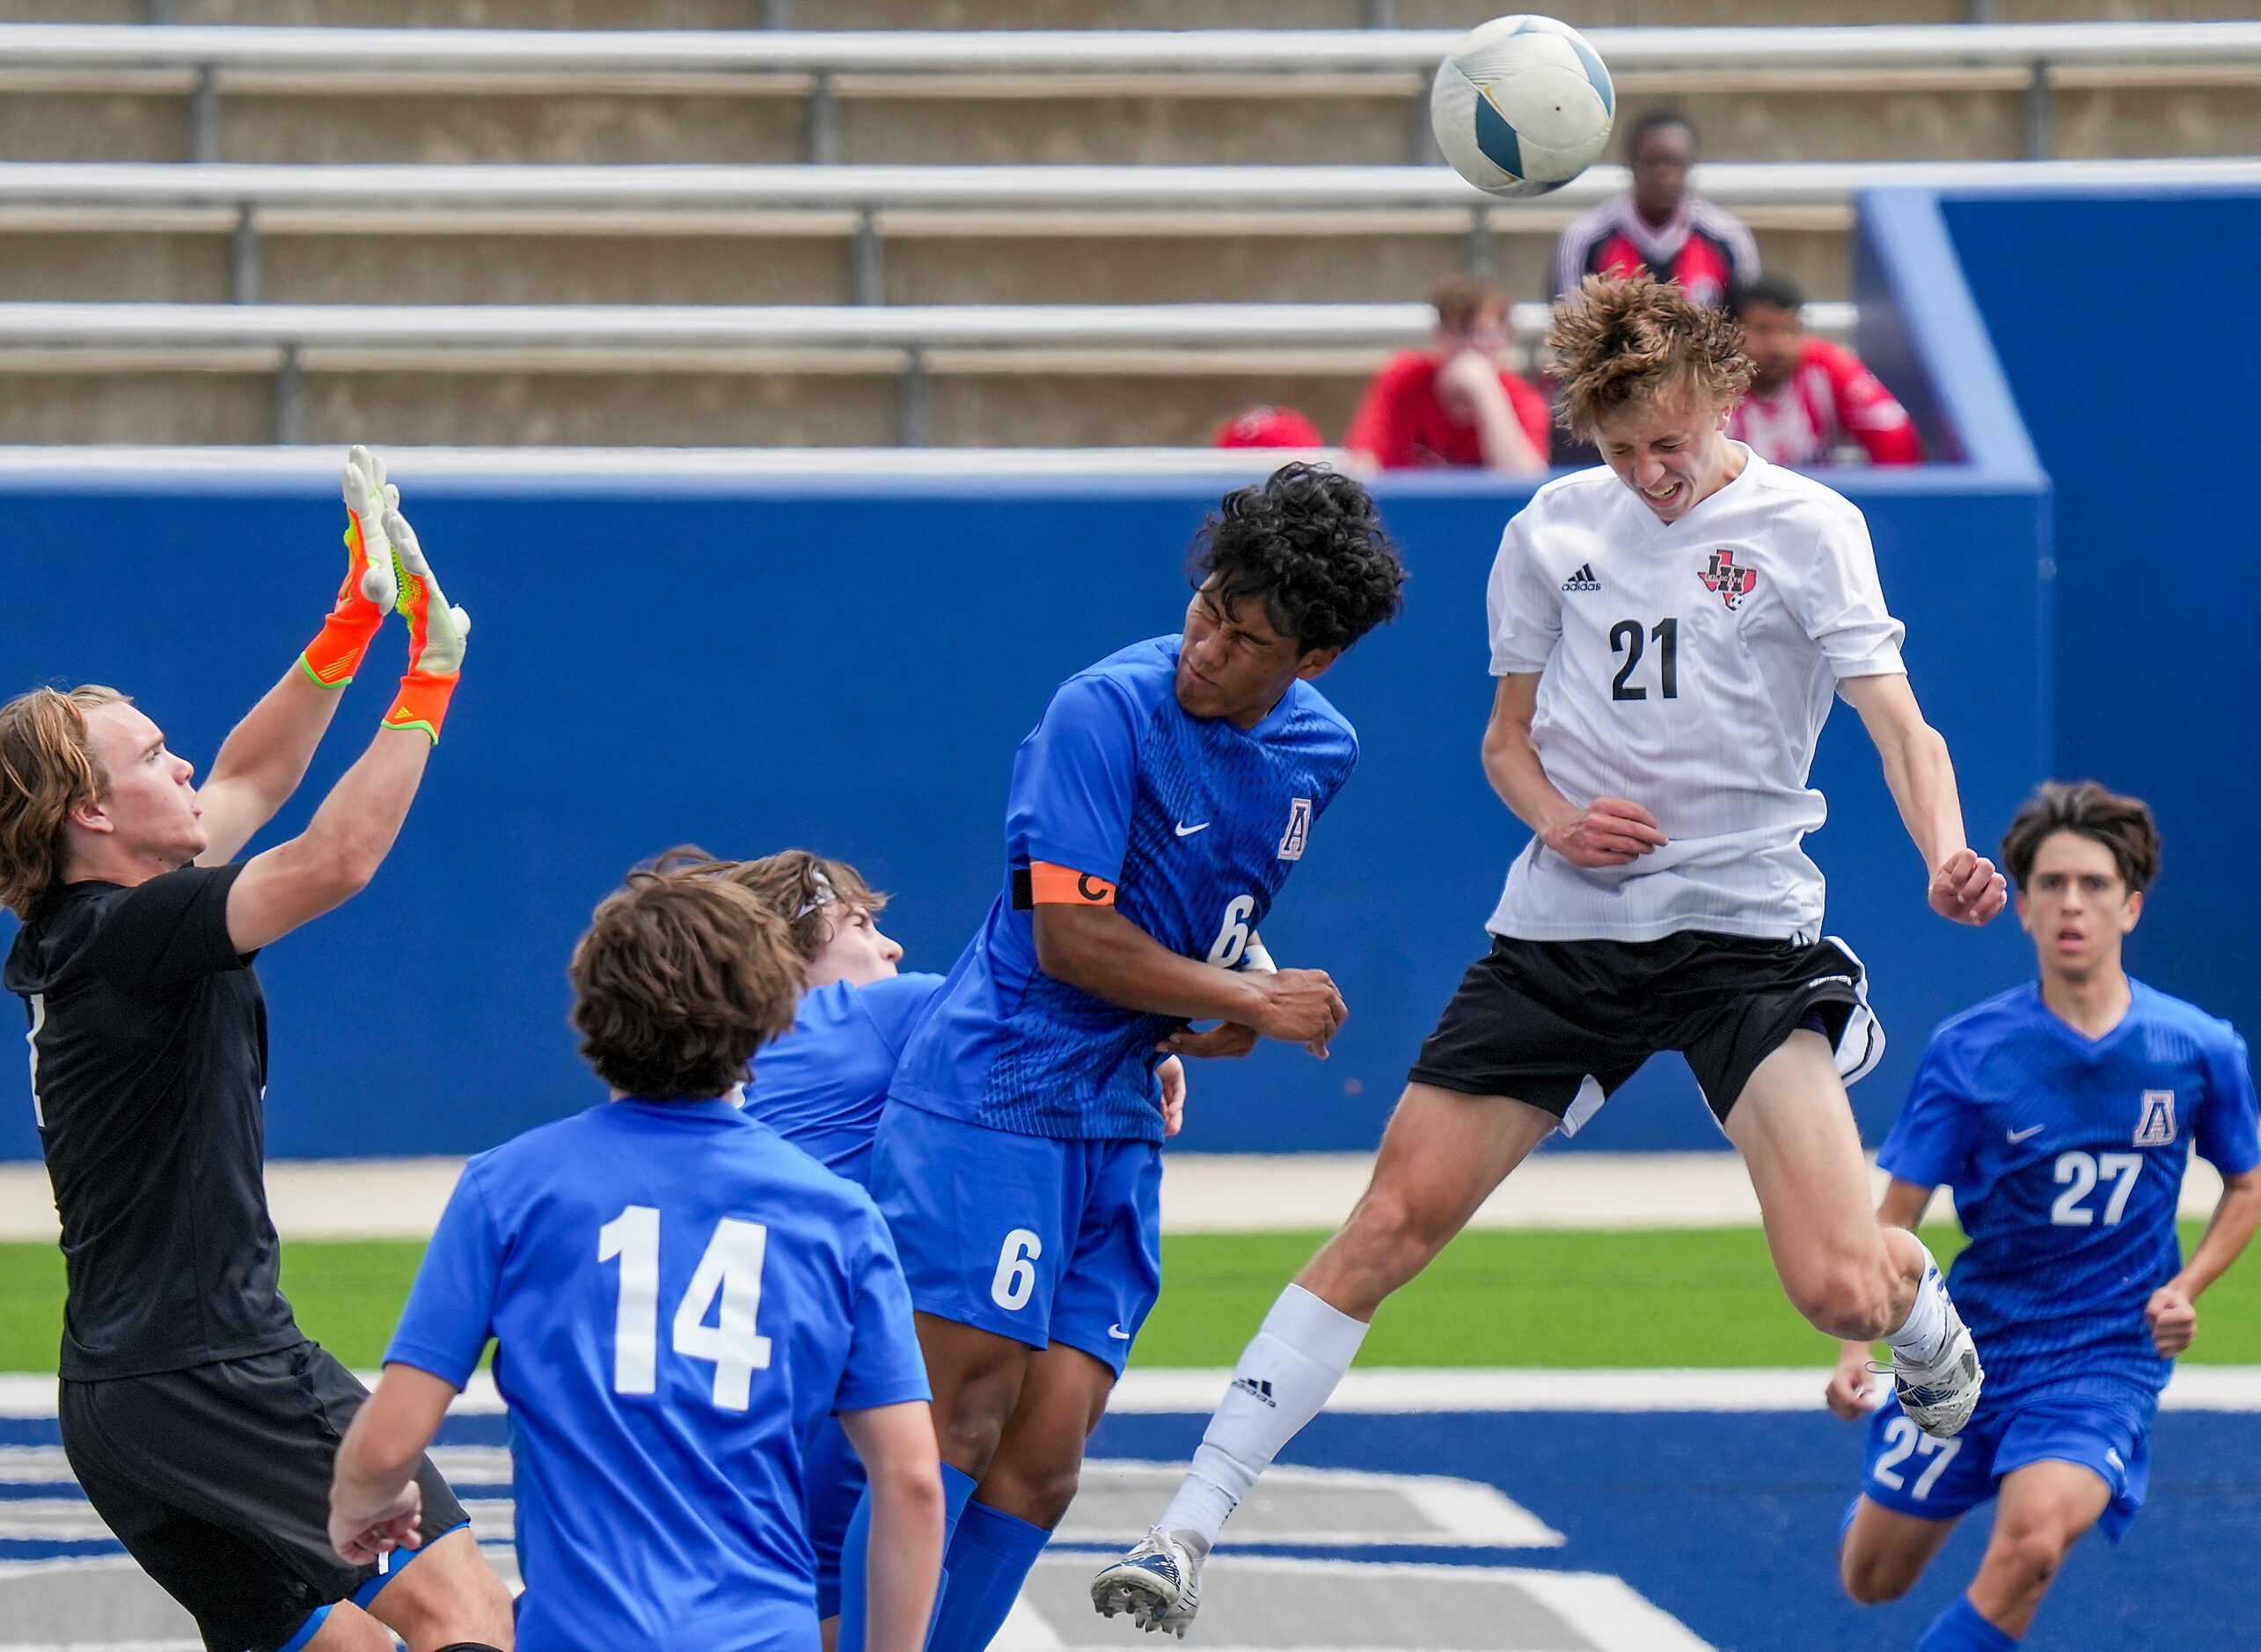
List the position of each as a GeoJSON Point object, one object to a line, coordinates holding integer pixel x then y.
{"type": "Point", "coordinates": [1619, 343]}
{"type": "Point", "coordinates": [47, 770]}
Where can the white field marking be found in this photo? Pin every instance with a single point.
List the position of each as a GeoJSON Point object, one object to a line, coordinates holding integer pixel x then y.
{"type": "Point", "coordinates": [1460, 1513]}
{"type": "Point", "coordinates": [1611, 1613]}
{"type": "Point", "coordinates": [1607, 1613]}
{"type": "Point", "coordinates": [1202, 1193]}
{"type": "Point", "coordinates": [471, 1465]}
{"type": "Point", "coordinates": [1023, 1630]}
{"type": "Point", "coordinates": [1386, 1391]}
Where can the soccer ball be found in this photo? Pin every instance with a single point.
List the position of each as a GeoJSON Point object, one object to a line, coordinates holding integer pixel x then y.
{"type": "Point", "coordinates": [1521, 106]}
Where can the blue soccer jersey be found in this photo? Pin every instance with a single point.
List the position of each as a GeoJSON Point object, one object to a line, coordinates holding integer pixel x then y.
{"type": "Point", "coordinates": [1196, 823]}
{"type": "Point", "coordinates": [822, 1084]}
{"type": "Point", "coordinates": [680, 1299]}
{"type": "Point", "coordinates": [2066, 1157]}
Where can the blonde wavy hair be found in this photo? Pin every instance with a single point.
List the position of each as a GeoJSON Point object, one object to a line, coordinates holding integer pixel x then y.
{"type": "Point", "coordinates": [1636, 342]}
{"type": "Point", "coordinates": [47, 768]}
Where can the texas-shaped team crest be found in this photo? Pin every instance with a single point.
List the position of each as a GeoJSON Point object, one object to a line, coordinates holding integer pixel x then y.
{"type": "Point", "coordinates": [1728, 582]}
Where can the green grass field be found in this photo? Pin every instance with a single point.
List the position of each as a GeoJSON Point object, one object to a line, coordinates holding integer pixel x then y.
{"type": "Point", "coordinates": [1704, 1297]}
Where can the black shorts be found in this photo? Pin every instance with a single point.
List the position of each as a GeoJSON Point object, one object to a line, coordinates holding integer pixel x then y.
{"type": "Point", "coordinates": [216, 1479]}
{"type": "Point", "coordinates": [1561, 1024]}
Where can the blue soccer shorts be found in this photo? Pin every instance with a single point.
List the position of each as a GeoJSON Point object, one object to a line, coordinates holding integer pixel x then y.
{"type": "Point", "coordinates": [1036, 1238]}
{"type": "Point", "coordinates": [1907, 1471]}
{"type": "Point", "coordinates": [832, 1480]}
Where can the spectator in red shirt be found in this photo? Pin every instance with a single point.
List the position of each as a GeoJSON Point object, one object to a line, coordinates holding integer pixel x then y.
{"type": "Point", "coordinates": [1659, 229]}
{"type": "Point", "coordinates": [1453, 403]}
{"type": "Point", "coordinates": [1265, 425]}
{"type": "Point", "coordinates": [1810, 402]}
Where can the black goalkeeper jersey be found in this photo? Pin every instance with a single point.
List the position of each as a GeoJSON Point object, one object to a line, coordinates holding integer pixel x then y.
{"type": "Point", "coordinates": [149, 1062]}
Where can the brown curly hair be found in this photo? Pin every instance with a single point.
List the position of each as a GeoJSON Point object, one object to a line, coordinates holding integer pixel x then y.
{"type": "Point", "coordinates": [683, 975]}
{"type": "Point", "coordinates": [47, 770]}
{"type": "Point", "coordinates": [1618, 343]}
{"type": "Point", "coordinates": [2121, 824]}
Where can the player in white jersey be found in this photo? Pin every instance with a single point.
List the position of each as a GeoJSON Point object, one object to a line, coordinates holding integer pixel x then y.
{"type": "Point", "coordinates": [1666, 633]}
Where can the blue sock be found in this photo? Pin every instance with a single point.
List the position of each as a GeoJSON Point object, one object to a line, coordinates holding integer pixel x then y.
{"type": "Point", "coordinates": [1960, 1629]}
{"type": "Point", "coordinates": [989, 1560]}
{"type": "Point", "coordinates": [855, 1549]}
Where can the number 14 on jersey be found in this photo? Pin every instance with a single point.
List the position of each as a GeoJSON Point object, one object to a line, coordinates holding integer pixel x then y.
{"type": "Point", "coordinates": [730, 1270]}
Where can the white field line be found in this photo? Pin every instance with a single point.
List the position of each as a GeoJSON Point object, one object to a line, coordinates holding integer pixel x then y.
{"type": "Point", "coordinates": [1202, 1193]}
{"type": "Point", "coordinates": [1384, 1390]}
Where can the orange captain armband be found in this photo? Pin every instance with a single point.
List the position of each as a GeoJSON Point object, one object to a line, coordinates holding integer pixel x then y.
{"type": "Point", "coordinates": [1044, 884]}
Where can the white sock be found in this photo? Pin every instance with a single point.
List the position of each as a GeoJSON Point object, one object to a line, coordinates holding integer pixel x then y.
{"type": "Point", "coordinates": [1921, 1340]}
{"type": "Point", "coordinates": [1285, 1379]}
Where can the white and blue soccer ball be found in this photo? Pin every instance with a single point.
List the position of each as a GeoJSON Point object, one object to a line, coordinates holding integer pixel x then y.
{"type": "Point", "coordinates": [1521, 106]}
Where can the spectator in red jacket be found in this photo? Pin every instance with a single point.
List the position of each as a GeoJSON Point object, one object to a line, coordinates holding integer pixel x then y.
{"type": "Point", "coordinates": [1810, 402]}
{"type": "Point", "coordinates": [1266, 426]}
{"type": "Point", "coordinates": [1453, 403]}
{"type": "Point", "coordinates": [1658, 228]}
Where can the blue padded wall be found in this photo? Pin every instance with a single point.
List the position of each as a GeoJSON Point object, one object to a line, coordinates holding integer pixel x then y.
{"type": "Point", "coordinates": [848, 665]}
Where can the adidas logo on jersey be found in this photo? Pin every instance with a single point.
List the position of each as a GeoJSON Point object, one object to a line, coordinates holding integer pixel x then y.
{"type": "Point", "coordinates": [1259, 1386]}
{"type": "Point", "coordinates": [1583, 579]}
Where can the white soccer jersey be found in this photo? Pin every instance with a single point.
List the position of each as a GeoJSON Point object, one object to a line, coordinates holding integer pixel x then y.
{"type": "Point", "coordinates": [1688, 667]}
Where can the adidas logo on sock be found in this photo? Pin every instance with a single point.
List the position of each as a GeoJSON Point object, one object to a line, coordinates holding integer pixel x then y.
{"type": "Point", "coordinates": [1260, 1387]}
{"type": "Point", "coordinates": [1583, 579]}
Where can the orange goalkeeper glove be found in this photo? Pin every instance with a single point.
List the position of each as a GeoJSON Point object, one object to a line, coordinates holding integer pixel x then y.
{"type": "Point", "coordinates": [367, 595]}
{"type": "Point", "coordinates": [436, 631]}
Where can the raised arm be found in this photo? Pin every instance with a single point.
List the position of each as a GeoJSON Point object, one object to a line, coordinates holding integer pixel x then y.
{"type": "Point", "coordinates": [1610, 831]}
{"type": "Point", "coordinates": [1964, 885]}
{"type": "Point", "coordinates": [1851, 1390]}
{"type": "Point", "coordinates": [263, 760]}
{"type": "Point", "coordinates": [355, 828]}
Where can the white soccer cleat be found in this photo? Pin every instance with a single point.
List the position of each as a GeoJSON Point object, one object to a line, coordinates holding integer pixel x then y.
{"type": "Point", "coordinates": [1939, 1398]}
{"type": "Point", "coordinates": [1159, 1583]}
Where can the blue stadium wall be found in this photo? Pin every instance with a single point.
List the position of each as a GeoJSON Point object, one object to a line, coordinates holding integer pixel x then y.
{"type": "Point", "coordinates": [750, 665]}
{"type": "Point", "coordinates": [847, 663]}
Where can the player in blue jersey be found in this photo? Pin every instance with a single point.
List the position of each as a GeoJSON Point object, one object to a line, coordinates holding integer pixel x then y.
{"type": "Point", "coordinates": [659, 1465]}
{"type": "Point", "coordinates": [1153, 814]}
{"type": "Point", "coordinates": [822, 1084]}
{"type": "Point", "coordinates": [2062, 1113]}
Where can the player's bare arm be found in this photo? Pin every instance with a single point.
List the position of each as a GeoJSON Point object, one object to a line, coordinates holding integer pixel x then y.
{"type": "Point", "coordinates": [896, 1444]}
{"type": "Point", "coordinates": [2172, 1312]}
{"type": "Point", "coordinates": [1965, 886]}
{"type": "Point", "coordinates": [374, 1503]}
{"type": "Point", "coordinates": [1099, 950]}
{"type": "Point", "coordinates": [1852, 1390]}
{"type": "Point", "coordinates": [1610, 831]}
{"type": "Point", "coordinates": [355, 828]}
{"type": "Point", "coordinates": [262, 761]}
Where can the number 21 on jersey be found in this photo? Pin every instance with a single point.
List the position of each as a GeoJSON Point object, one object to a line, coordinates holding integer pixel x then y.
{"type": "Point", "coordinates": [730, 1269]}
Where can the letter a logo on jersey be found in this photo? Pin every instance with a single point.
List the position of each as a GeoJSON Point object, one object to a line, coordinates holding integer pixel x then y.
{"type": "Point", "coordinates": [1298, 829]}
{"type": "Point", "coordinates": [1726, 581]}
{"type": "Point", "coordinates": [2157, 1126]}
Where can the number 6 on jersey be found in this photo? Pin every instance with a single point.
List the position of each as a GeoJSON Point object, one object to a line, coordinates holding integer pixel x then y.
{"type": "Point", "coordinates": [731, 1269]}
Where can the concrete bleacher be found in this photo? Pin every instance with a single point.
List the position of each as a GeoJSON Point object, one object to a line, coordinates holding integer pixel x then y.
{"type": "Point", "coordinates": [518, 162]}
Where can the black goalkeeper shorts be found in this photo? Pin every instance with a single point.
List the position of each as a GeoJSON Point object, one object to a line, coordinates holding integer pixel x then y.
{"type": "Point", "coordinates": [216, 1479]}
{"type": "Point", "coordinates": [1561, 1024]}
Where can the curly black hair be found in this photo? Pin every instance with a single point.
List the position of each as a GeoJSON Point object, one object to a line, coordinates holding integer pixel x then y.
{"type": "Point", "coordinates": [1309, 543]}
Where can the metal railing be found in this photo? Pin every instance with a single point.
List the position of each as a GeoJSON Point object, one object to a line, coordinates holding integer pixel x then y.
{"type": "Point", "coordinates": [1236, 62]}
{"type": "Point", "coordinates": [905, 339]}
{"type": "Point", "coordinates": [866, 195]}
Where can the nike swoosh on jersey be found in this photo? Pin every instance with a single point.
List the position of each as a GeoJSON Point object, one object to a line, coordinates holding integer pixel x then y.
{"type": "Point", "coordinates": [1118, 1333]}
{"type": "Point", "coordinates": [1184, 831]}
{"type": "Point", "coordinates": [2029, 1130]}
